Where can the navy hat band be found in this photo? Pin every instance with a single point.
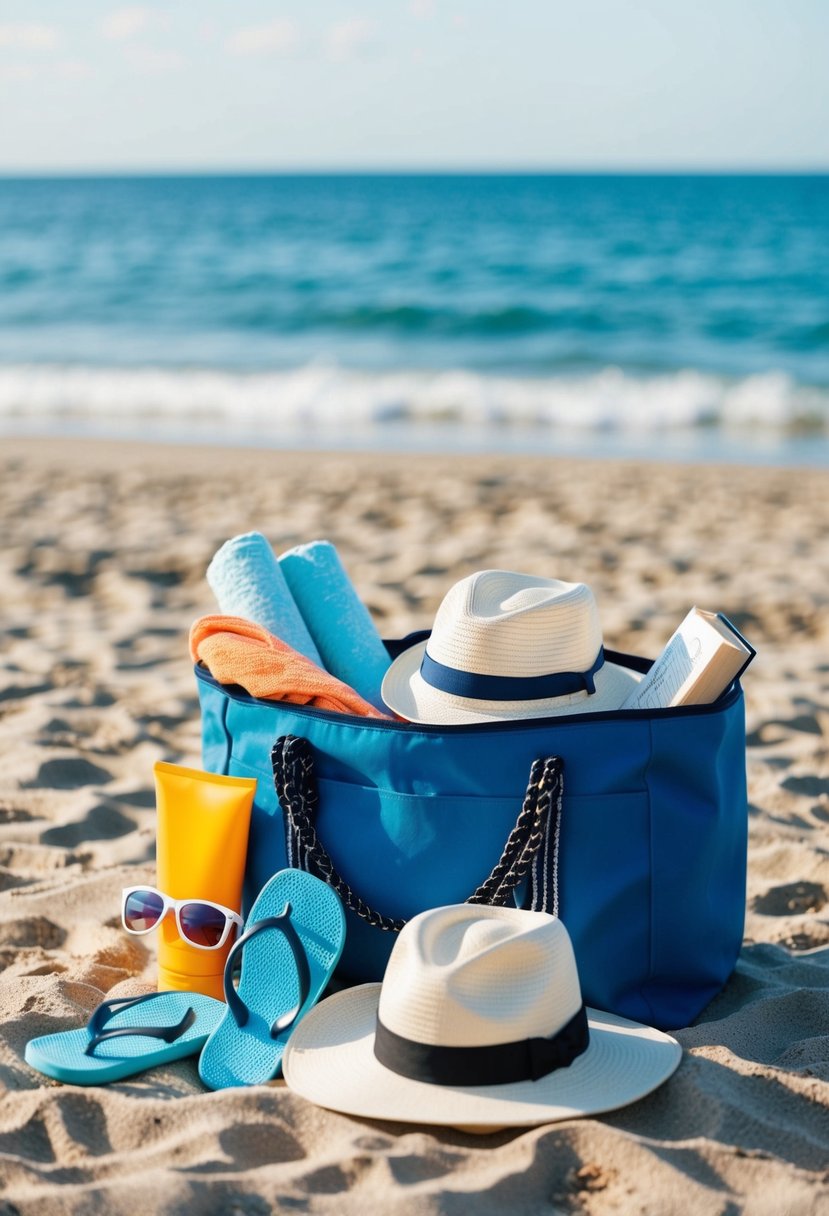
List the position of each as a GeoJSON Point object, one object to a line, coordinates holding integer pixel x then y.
{"type": "Point", "coordinates": [477, 687]}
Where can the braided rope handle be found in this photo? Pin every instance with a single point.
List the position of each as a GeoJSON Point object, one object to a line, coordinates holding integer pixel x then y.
{"type": "Point", "coordinates": [296, 789]}
{"type": "Point", "coordinates": [527, 836]}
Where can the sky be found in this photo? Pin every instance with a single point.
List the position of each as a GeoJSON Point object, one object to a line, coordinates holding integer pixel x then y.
{"type": "Point", "coordinates": [88, 85]}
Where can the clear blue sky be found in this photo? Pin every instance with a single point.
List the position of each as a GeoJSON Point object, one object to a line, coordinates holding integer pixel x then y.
{"type": "Point", "coordinates": [189, 84]}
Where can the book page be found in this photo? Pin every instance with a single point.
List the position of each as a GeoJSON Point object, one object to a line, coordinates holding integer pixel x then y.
{"type": "Point", "coordinates": [689, 650]}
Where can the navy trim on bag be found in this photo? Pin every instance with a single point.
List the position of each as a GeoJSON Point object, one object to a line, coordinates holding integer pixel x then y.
{"type": "Point", "coordinates": [477, 687]}
{"type": "Point", "coordinates": [497, 1064]}
{"type": "Point", "coordinates": [723, 703]}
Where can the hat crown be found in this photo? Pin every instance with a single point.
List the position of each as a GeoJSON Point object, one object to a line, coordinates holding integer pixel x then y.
{"type": "Point", "coordinates": [475, 976]}
{"type": "Point", "coordinates": [497, 622]}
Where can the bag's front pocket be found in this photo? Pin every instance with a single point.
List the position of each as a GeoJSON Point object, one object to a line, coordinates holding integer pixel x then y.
{"type": "Point", "coordinates": [403, 851]}
{"type": "Point", "coordinates": [605, 897]}
{"type": "Point", "coordinates": [391, 854]}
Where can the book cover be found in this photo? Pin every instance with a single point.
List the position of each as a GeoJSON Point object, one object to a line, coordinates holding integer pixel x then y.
{"type": "Point", "coordinates": [702, 658]}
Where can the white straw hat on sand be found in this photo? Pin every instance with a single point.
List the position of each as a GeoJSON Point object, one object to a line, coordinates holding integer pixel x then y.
{"type": "Point", "coordinates": [508, 645]}
{"type": "Point", "coordinates": [479, 1023]}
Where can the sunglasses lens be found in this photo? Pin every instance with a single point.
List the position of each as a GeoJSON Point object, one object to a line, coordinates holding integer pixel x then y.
{"type": "Point", "coordinates": [142, 910]}
{"type": "Point", "coordinates": [201, 924]}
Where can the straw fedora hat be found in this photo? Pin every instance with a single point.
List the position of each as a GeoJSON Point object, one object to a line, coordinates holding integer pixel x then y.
{"type": "Point", "coordinates": [479, 1023]}
{"type": "Point", "coordinates": [508, 645]}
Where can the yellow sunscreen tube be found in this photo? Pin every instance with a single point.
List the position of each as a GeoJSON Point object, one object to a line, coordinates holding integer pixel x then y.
{"type": "Point", "coordinates": [203, 821]}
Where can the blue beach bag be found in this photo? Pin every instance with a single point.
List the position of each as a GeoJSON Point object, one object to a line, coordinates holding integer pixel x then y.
{"type": "Point", "coordinates": [630, 825]}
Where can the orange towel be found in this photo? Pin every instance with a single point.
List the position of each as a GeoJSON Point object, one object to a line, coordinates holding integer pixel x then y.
{"type": "Point", "coordinates": [237, 651]}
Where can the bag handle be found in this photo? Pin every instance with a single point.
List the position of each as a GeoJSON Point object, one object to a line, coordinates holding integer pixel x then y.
{"type": "Point", "coordinates": [536, 832]}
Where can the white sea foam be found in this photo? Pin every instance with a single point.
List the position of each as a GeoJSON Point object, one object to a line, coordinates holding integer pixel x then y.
{"type": "Point", "coordinates": [332, 399]}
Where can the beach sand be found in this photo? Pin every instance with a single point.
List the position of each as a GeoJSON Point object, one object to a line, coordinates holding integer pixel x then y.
{"type": "Point", "coordinates": [103, 558]}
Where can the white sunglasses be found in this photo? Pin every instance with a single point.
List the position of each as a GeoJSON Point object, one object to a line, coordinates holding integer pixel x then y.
{"type": "Point", "coordinates": [200, 922]}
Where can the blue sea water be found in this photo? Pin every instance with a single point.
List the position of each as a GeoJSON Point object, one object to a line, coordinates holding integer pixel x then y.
{"type": "Point", "coordinates": [686, 315]}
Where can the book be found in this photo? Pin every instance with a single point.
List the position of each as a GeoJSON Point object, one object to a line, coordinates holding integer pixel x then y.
{"type": "Point", "coordinates": [703, 656]}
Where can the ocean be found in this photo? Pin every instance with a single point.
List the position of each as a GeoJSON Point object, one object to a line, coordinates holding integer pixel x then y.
{"type": "Point", "coordinates": [685, 316]}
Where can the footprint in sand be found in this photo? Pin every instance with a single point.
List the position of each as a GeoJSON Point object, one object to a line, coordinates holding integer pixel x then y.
{"type": "Point", "coordinates": [247, 1145]}
{"type": "Point", "coordinates": [336, 1179]}
{"type": "Point", "coordinates": [16, 692]}
{"type": "Point", "coordinates": [10, 881]}
{"type": "Point", "coordinates": [33, 861]}
{"type": "Point", "coordinates": [95, 698]}
{"type": "Point", "coordinates": [50, 968]}
{"type": "Point", "coordinates": [69, 773]}
{"type": "Point", "coordinates": [818, 936]}
{"type": "Point", "coordinates": [792, 899]}
{"type": "Point", "coordinates": [775, 730]}
{"type": "Point", "coordinates": [141, 798]}
{"type": "Point", "coordinates": [811, 786]}
{"type": "Point", "coordinates": [32, 931]}
{"type": "Point", "coordinates": [102, 822]}
{"type": "Point", "coordinates": [15, 814]}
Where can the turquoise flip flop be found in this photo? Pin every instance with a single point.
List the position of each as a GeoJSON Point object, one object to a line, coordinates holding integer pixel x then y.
{"type": "Point", "coordinates": [292, 941]}
{"type": "Point", "coordinates": [126, 1035]}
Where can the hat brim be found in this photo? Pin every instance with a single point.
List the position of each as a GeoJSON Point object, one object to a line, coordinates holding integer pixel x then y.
{"type": "Point", "coordinates": [330, 1061]}
{"type": "Point", "coordinates": [407, 694]}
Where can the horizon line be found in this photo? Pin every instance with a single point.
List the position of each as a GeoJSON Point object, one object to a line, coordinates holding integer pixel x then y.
{"type": "Point", "coordinates": [679, 170]}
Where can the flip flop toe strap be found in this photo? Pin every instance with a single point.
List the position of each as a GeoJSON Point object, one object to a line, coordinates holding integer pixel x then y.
{"type": "Point", "coordinates": [283, 924]}
{"type": "Point", "coordinates": [168, 1033]}
{"type": "Point", "coordinates": [117, 1004]}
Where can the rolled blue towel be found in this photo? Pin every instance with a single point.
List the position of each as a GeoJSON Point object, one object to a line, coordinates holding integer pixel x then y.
{"type": "Point", "coordinates": [247, 581]}
{"type": "Point", "coordinates": [338, 620]}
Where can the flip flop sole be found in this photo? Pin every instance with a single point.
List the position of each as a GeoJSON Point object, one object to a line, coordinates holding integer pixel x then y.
{"type": "Point", "coordinates": [248, 1055]}
{"type": "Point", "coordinates": [62, 1057]}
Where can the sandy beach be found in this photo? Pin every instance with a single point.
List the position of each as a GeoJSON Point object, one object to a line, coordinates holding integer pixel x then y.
{"type": "Point", "coordinates": [104, 553]}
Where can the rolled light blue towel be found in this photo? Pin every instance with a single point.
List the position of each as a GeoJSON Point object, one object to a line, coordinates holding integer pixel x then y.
{"type": "Point", "coordinates": [248, 581]}
{"type": "Point", "coordinates": [338, 620]}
